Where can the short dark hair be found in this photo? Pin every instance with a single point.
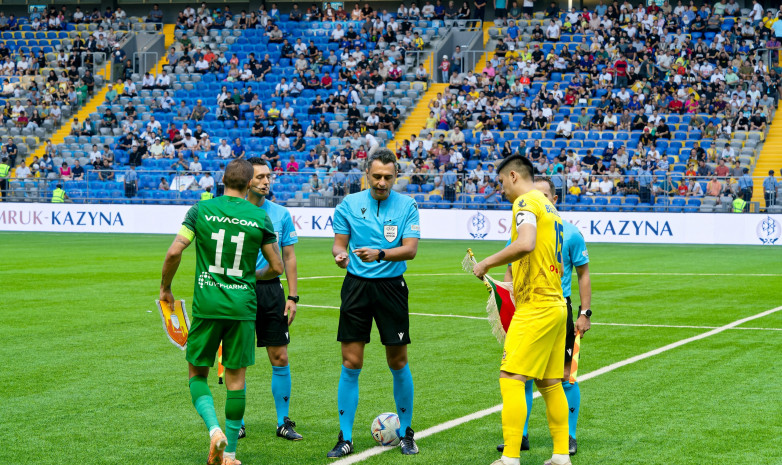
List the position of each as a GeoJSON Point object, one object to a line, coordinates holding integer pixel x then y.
{"type": "Point", "coordinates": [384, 156]}
{"type": "Point", "coordinates": [257, 161]}
{"type": "Point", "coordinates": [548, 181]}
{"type": "Point", "coordinates": [519, 164]}
{"type": "Point", "coordinates": [238, 174]}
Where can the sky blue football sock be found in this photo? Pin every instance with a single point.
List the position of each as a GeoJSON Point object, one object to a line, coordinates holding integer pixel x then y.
{"type": "Point", "coordinates": [281, 391]}
{"type": "Point", "coordinates": [573, 394]}
{"type": "Point", "coordinates": [403, 396]}
{"type": "Point", "coordinates": [528, 396]}
{"type": "Point", "coordinates": [347, 400]}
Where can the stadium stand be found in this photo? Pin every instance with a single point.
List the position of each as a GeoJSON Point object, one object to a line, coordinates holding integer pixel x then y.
{"type": "Point", "coordinates": [248, 90]}
{"type": "Point", "coordinates": [641, 124]}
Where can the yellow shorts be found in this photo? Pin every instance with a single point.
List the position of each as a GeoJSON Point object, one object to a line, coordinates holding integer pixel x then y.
{"type": "Point", "coordinates": [535, 343]}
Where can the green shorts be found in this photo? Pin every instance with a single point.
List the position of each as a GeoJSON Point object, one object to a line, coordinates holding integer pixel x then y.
{"type": "Point", "coordinates": [238, 338]}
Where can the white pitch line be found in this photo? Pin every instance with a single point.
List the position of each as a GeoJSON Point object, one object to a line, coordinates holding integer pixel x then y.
{"type": "Point", "coordinates": [498, 408]}
{"type": "Point", "coordinates": [593, 273]}
{"type": "Point", "coordinates": [638, 325]}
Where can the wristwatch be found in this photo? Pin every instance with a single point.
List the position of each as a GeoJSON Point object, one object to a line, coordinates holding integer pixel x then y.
{"type": "Point", "coordinates": [293, 298]}
{"type": "Point", "coordinates": [587, 313]}
{"type": "Point", "coordinates": [381, 255]}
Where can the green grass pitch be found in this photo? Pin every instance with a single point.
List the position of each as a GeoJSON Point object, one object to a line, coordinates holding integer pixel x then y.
{"type": "Point", "coordinates": [89, 377]}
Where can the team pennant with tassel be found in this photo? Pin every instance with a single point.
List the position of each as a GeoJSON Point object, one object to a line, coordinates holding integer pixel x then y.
{"type": "Point", "coordinates": [501, 305]}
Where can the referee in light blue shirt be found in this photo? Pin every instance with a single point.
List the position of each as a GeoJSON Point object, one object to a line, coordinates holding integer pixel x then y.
{"type": "Point", "coordinates": [375, 232]}
{"type": "Point", "coordinates": [574, 254]}
{"type": "Point", "coordinates": [275, 313]}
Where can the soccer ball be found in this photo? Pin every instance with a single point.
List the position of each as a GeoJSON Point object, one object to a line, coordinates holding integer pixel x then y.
{"type": "Point", "coordinates": [385, 429]}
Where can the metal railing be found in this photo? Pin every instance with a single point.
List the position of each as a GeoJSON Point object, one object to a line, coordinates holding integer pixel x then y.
{"type": "Point", "coordinates": [644, 192]}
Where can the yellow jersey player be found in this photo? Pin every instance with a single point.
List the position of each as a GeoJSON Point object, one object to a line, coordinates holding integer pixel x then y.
{"type": "Point", "coordinates": [535, 343]}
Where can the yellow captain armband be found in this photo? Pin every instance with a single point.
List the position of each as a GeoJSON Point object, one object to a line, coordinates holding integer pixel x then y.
{"type": "Point", "coordinates": [186, 232]}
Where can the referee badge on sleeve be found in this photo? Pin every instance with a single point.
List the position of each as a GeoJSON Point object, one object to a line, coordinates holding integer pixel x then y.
{"type": "Point", "coordinates": [390, 232]}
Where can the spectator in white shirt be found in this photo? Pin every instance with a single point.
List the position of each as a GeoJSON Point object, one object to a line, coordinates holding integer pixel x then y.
{"type": "Point", "coordinates": [147, 82]}
{"type": "Point", "coordinates": [207, 181]}
{"type": "Point", "coordinates": [195, 166]}
{"type": "Point", "coordinates": [283, 143]}
{"type": "Point", "coordinates": [337, 34]}
{"type": "Point", "coordinates": [224, 150]}
{"type": "Point", "coordinates": [553, 31]}
{"type": "Point", "coordinates": [95, 155]}
{"type": "Point", "coordinates": [564, 129]}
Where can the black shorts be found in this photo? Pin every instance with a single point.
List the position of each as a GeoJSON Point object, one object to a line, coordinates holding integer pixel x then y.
{"type": "Point", "coordinates": [271, 324]}
{"type": "Point", "coordinates": [570, 336]}
{"type": "Point", "coordinates": [385, 300]}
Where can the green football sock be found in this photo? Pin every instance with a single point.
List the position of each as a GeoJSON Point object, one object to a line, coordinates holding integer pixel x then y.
{"type": "Point", "coordinates": [234, 412]}
{"type": "Point", "coordinates": [204, 403]}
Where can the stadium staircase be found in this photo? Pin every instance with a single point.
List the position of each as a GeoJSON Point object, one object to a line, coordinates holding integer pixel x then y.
{"type": "Point", "coordinates": [770, 157]}
{"type": "Point", "coordinates": [84, 112]}
{"type": "Point", "coordinates": [417, 118]}
{"type": "Point", "coordinates": [99, 97]}
{"type": "Point", "coordinates": [168, 33]}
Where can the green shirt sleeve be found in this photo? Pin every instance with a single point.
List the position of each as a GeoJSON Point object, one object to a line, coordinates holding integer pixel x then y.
{"type": "Point", "coordinates": [190, 221]}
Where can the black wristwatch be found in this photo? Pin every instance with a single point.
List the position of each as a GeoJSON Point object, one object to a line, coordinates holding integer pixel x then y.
{"type": "Point", "coordinates": [293, 298]}
{"type": "Point", "coordinates": [587, 313]}
{"type": "Point", "coordinates": [381, 255]}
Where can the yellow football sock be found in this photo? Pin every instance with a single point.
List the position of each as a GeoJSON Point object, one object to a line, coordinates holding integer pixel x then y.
{"type": "Point", "coordinates": [557, 414]}
{"type": "Point", "coordinates": [514, 413]}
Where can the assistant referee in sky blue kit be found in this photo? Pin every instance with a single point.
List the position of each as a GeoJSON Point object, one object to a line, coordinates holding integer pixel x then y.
{"type": "Point", "coordinates": [375, 232]}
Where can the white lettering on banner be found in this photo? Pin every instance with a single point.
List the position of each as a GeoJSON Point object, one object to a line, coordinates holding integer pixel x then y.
{"type": "Point", "coordinates": [660, 228]}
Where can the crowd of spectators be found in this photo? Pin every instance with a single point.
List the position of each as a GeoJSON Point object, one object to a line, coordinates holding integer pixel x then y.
{"type": "Point", "coordinates": [617, 67]}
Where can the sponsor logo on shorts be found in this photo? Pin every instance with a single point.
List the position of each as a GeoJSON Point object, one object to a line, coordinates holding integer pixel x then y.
{"type": "Point", "coordinates": [401, 335]}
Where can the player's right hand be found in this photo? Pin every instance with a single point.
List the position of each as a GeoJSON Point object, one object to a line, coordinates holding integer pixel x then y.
{"type": "Point", "coordinates": [167, 296]}
{"type": "Point", "coordinates": [342, 259]}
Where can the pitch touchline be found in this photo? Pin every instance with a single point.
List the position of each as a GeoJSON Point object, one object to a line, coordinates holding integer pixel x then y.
{"type": "Point", "coordinates": [598, 273]}
{"type": "Point", "coordinates": [639, 325]}
{"type": "Point", "coordinates": [361, 456]}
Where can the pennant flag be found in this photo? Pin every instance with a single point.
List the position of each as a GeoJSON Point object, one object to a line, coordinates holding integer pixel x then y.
{"type": "Point", "coordinates": [501, 305]}
{"type": "Point", "coordinates": [175, 322]}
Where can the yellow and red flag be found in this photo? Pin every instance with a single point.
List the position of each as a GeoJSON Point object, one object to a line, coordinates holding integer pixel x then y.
{"type": "Point", "coordinates": [574, 362]}
{"type": "Point", "coordinates": [175, 322]}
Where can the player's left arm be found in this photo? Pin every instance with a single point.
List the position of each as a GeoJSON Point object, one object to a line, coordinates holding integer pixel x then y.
{"type": "Point", "coordinates": [585, 294]}
{"type": "Point", "coordinates": [288, 241]}
{"type": "Point", "coordinates": [291, 274]}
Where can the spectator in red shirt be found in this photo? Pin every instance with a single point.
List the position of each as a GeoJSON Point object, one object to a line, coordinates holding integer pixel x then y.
{"type": "Point", "coordinates": [570, 97]}
{"type": "Point", "coordinates": [676, 105]}
{"type": "Point", "coordinates": [620, 67]}
{"type": "Point", "coordinates": [683, 189]}
{"type": "Point", "coordinates": [326, 81]}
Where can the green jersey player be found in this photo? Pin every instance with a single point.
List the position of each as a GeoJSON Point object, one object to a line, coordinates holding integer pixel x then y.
{"type": "Point", "coordinates": [229, 233]}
